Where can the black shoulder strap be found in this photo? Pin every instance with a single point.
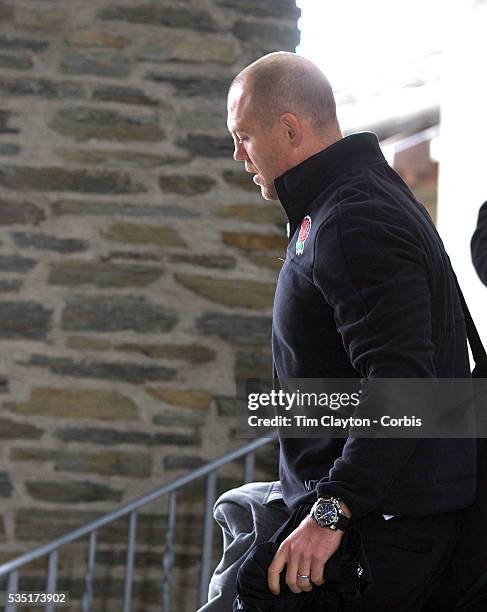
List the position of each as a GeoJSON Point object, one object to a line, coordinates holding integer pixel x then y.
{"type": "Point", "coordinates": [478, 350]}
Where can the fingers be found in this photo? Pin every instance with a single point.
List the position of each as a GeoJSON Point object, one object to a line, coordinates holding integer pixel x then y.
{"type": "Point", "coordinates": [274, 571]}
{"type": "Point", "coordinates": [317, 572]}
{"type": "Point", "coordinates": [294, 566]}
{"type": "Point", "coordinates": [292, 574]}
{"type": "Point", "coordinates": [298, 575]}
{"type": "Point", "coordinates": [303, 578]}
{"type": "Point", "coordinates": [314, 569]}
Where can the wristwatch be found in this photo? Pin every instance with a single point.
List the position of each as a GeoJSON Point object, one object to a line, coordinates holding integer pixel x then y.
{"type": "Point", "coordinates": [326, 512]}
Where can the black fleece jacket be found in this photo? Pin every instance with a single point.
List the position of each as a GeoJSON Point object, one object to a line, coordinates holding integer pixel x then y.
{"type": "Point", "coordinates": [479, 244]}
{"type": "Point", "coordinates": [366, 291]}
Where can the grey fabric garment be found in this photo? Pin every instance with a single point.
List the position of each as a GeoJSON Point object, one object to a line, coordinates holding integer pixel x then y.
{"type": "Point", "coordinates": [247, 515]}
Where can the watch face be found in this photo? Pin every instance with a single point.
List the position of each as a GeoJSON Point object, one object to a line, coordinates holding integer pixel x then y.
{"type": "Point", "coordinates": [326, 513]}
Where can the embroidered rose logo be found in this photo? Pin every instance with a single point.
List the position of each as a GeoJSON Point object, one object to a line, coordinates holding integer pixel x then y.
{"type": "Point", "coordinates": [303, 234]}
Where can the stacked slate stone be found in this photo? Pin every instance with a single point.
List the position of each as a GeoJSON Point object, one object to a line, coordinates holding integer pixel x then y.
{"type": "Point", "coordinates": [137, 273]}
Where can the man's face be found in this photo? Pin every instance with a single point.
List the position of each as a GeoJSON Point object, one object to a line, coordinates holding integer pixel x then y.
{"type": "Point", "coordinates": [260, 147]}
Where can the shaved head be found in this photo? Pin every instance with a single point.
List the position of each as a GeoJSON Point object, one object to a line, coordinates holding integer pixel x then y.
{"type": "Point", "coordinates": [280, 111]}
{"type": "Point", "coordinates": [285, 82]}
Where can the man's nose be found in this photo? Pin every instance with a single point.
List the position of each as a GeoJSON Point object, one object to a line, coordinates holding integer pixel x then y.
{"type": "Point", "coordinates": [239, 153]}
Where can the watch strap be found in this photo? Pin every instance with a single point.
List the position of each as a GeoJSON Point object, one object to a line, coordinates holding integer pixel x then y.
{"type": "Point", "coordinates": [343, 522]}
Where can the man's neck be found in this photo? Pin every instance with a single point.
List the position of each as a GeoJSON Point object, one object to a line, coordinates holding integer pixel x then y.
{"type": "Point", "coordinates": [315, 146]}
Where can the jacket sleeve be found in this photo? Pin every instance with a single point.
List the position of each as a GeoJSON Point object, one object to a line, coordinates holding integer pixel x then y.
{"type": "Point", "coordinates": [478, 245]}
{"type": "Point", "coordinates": [373, 274]}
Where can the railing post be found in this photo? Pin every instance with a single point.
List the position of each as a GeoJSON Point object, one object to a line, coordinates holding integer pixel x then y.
{"type": "Point", "coordinates": [168, 554]}
{"type": "Point", "coordinates": [206, 556]}
{"type": "Point", "coordinates": [249, 467]}
{"type": "Point", "coordinates": [51, 578]}
{"type": "Point", "coordinates": [12, 587]}
{"type": "Point", "coordinates": [127, 599]}
{"type": "Point", "coordinates": [87, 600]}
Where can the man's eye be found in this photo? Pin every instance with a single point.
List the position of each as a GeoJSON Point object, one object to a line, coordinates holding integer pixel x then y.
{"type": "Point", "coordinates": [242, 139]}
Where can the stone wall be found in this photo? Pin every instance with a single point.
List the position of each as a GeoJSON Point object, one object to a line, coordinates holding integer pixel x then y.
{"type": "Point", "coordinates": [137, 270]}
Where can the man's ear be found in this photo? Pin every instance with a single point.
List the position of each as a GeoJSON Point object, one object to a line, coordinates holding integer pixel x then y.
{"type": "Point", "coordinates": [292, 128]}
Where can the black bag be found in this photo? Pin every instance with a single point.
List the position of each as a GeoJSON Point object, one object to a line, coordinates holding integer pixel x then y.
{"type": "Point", "coordinates": [463, 586]}
{"type": "Point", "coordinates": [347, 576]}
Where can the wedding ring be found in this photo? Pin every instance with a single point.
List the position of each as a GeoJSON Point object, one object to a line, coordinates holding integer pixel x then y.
{"type": "Point", "coordinates": [303, 576]}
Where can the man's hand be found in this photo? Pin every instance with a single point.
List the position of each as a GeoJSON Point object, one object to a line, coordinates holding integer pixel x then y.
{"type": "Point", "coordinates": [305, 552]}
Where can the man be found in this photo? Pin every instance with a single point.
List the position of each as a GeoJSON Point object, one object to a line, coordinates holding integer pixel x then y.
{"type": "Point", "coordinates": [479, 244]}
{"type": "Point", "coordinates": [366, 291]}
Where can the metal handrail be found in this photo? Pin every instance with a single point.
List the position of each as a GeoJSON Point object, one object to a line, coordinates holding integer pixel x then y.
{"type": "Point", "coordinates": [51, 548]}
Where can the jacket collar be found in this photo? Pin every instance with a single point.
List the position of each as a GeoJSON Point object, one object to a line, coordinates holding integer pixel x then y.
{"type": "Point", "coordinates": [299, 186]}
